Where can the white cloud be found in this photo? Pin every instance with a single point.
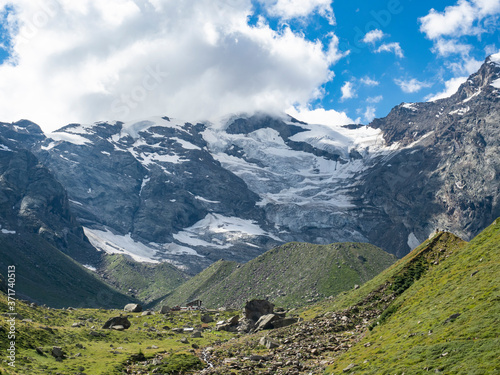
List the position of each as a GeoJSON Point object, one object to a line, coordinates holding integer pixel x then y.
{"type": "Point", "coordinates": [458, 20]}
{"type": "Point", "coordinates": [373, 36]}
{"type": "Point", "coordinates": [391, 47]}
{"type": "Point", "coordinates": [348, 91]}
{"type": "Point", "coordinates": [289, 9]}
{"type": "Point", "coordinates": [445, 47]}
{"type": "Point", "coordinates": [451, 88]}
{"type": "Point", "coordinates": [85, 61]}
{"type": "Point", "coordinates": [412, 85]}
{"type": "Point", "coordinates": [320, 116]}
{"type": "Point", "coordinates": [467, 65]}
{"type": "Point", "coordinates": [375, 99]}
{"type": "Point", "coordinates": [369, 114]}
{"type": "Point", "coordinates": [369, 82]}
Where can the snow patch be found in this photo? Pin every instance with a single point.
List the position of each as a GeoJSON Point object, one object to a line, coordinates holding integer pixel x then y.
{"type": "Point", "coordinates": [4, 148]}
{"type": "Point", "coordinates": [185, 144]}
{"type": "Point", "coordinates": [230, 229]}
{"type": "Point", "coordinates": [205, 200]}
{"type": "Point", "coordinates": [410, 106]}
{"type": "Point", "coordinates": [133, 128]}
{"type": "Point", "coordinates": [472, 96]}
{"type": "Point", "coordinates": [496, 83]}
{"type": "Point", "coordinates": [460, 111]}
{"type": "Point", "coordinates": [89, 267]}
{"type": "Point", "coordinates": [495, 58]}
{"type": "Point", "coordinates": [413, 241]}
{"type": "Point", "coordinates": [70, 138]}
{"type": "Point", "coordinates": [112, 243]}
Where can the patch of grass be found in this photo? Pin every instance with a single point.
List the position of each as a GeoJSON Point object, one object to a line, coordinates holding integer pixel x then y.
{"type": "Point", "coordinates": [107, 353]}
{"type": "Point", "coordinates": [178, 363]}
{"type": "Point", "coordinates": [144, 281]}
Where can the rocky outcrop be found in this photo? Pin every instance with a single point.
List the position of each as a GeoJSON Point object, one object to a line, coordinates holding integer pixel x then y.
{"type": "Point", "coordinates": [121, 322]}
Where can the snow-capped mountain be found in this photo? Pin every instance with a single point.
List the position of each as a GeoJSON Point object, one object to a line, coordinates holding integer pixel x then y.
{"type": "Point", "coordinates": [163, 189]}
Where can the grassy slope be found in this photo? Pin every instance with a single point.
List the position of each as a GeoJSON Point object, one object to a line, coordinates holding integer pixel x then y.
{"type": "Point", "coordinates": [416, 337]}
{"type": "Point", "coordinates": [288, 275]}
{"type": "Point", "coordinates": [149, 282]}
{"type": "Point", "coordinates": [104, 355]}
{"type": "Point", "coordinates": [50, 277]}
{"type": "Point", "coordinates": [210, 278]}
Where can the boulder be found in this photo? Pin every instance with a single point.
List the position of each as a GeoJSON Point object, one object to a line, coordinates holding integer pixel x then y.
{"type": "Point", "coordinates": [117, 321]}
{"type": "Point", "coordinates": [164, 310]}
{"type": "Point", "coordinates": [254, 309]}
{"type": "Point", "coordinates": [268, 343]}
{"type": "Point", "coordinates": [57, 352]}
{"type": "Point", "coordinates": [206, 319]}
{"type": "Point", "coordinates": [133, 307]}
{"type": "Point", "coordinates": [233, 320]}
{"type": "Point", "coordinates": [266, 322]}
{"type": "Point", "coordinates": [145, 313]}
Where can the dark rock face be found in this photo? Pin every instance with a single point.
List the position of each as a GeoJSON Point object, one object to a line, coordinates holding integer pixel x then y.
{"type": "Point", "coordinates": [33, 201]}
{"type": "Point", "coordinates": [449, 178]}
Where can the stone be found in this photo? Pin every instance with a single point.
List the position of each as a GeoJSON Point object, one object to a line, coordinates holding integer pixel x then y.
{"type": "Point", "coordinates": [164, 310]}
{"type": "Point", "coordinates": [233, 320]}
{"type": "Point", "coordinates": [40, 351]}
{"type": "Point", "coordinates": [57, 352]}
{"type": "Point", "coordinates": [206, 319]}
{"type": "Point", "coordinates": [196, 335]}
{"type": "Point", "coordinates": [146, 313]}
{"type": "Point", "coordinates": [133, 307]}
{"type": "Point", "coordinates": [254, 309]}
{"type": "Point", "coordinates": [268, 343]}
{"type": "Point", "coordinates": [117, 321]}
{"type": "Point", "coordinates": [184, 340]}
{"type": "Point", "coordinates": [349, 368]}
{"type": "Point", "coordinates": [266, 322]}
{"type": "Point", "coordinates": [452, 318]}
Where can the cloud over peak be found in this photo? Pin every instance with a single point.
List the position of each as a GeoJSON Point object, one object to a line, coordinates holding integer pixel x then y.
{"type": "Point", "coordinates": [121, 59]}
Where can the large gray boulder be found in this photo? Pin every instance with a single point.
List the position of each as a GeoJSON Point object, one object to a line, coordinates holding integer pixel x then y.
{"type": "Point", "coordinates": [256, 308]}
{"type": "Point", "coordinates": [133, 307]}
{"type": "Point", "coordinates": [117, 321]}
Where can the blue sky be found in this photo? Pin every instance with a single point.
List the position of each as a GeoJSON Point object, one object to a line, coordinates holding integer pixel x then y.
{"type": "Point", "coordinates": [331, 62]}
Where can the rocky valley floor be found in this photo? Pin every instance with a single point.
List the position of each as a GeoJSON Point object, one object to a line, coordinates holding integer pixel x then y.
{"type": "Point", "coordinates": [435, 310]}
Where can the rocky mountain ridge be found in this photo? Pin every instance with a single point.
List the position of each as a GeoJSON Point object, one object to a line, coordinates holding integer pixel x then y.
{"type": "Point", "coordinates": [162, 189]}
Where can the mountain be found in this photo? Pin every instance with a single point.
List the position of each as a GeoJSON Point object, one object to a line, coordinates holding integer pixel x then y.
{"type": "Point", "coordinates": [40, 236]}
{"type": "Point", "coordinates": [435, 310]}
{"type": "Point", "coordinates": [290, 275]}
{"type": "Point", "coordinates": [162, 189]}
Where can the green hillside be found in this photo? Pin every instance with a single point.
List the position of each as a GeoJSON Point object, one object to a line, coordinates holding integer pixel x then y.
{"type": "Point", "coordinates": [447, 321]}
{"type": "Point", "coordinates": [146, 281]}
{"type": "Point", "coordinates": [290, 275]}
{"type": "Point", "coordinates": [47, 276]}
{"type": "Point", "coordinates": [206, 280]}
